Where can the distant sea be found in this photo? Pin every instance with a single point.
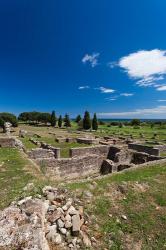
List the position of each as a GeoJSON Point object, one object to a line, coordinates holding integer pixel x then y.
{"type": "Point", "coordinates": [128, 120]}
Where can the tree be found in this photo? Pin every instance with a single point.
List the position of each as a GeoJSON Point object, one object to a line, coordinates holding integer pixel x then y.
{"type": "Point", "coordinates": [53, 119]}
{"type": "Point", "coordinates": [60, 121]}
{"type": "Point", "coordinates": [44, 117]}
{"type": "Point", "coordinates": [94, 122]}
{"type": "Point", "coordinates": [86, 121]}
{"type": "Point", "coordinates": [67, 121]}
{"type": "Point", "coordinates": [8, 117]}
{"type": "Point", "coordinates": [1, 123]}
{"type": "Point", "coordinates": [135, 122]}
{"type": "Point", "coordinates": [78, 119]}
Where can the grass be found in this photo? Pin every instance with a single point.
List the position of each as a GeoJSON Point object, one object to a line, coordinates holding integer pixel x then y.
{"type": "Point", "coordinates": [64, 146]}
{"type": "Point", "coordinates": [13, 176]}
{"type": "Point", "coordinates": [143, 202]}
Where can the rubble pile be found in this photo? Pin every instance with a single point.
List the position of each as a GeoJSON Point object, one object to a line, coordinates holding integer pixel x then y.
{"type": "Point", "coordinates": [44, 223]}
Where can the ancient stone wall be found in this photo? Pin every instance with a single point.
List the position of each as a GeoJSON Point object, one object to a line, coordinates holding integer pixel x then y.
{"type": "Point", "coordinates": [162, 148]}
{"type": "Point", "coordinates": [71, 167]}
{"type": "Point", "coordinates": [101, 150]}
{"type": "Point", "coordinates": [142, 148]}
{"type": "Point", "coordinates": [88, 141]}
{"type": "Point", "coordinates": [56, 151]}
{"type": "Point", "coordinates": [6, 142]}
{"type": "Point", "coordinates": [40, 153]}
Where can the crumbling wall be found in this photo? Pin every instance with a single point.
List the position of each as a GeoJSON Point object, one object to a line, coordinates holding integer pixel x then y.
{"type": "Point", "coordinates": [143, 148]}
{"type": "Point", "coordinates": [88, 140]}
{"type": "Point", "coordinates": [71, 167]}
{"type": "Point", "coordinates": [40, 153]}
{"type": "Point", "coordinates": [162, 148]}
{"type": "Point", "coordinates": [6, 142]}
{"type": "Point", "coordinates": [56, 151]}
{"type": "Point", "coordinates": [101, 150]}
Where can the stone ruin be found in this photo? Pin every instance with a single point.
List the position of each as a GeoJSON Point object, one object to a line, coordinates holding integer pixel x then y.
{"type": "Point", "coordinates": [85, 161]}
{"type": "Point", "coordinates": [7, 128]}
{"type": "Point", "coordinates": [53, 220]}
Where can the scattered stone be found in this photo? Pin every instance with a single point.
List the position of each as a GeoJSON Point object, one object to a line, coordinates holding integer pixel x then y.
{"type": "Point", "coordinates": [38, 224]}
{"type": "Point", "coordinates": [76, 224]}
{"type": "Point", "coordinates": [86, 239]}
{"type": "Point", "coordinates": [124, 217]}
{"type": "Point", "coordinates": [60, 223]}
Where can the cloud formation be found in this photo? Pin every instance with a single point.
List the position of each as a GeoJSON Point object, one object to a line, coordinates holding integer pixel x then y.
{"type": "Point", "coordinates": [145, 66]}
{"type": "Point", "coordinates": [162, 100]}
{"type": "Point", "coordinates": [127, 94]}
{"type": "Point", "coordinates": [83, 87]}
{"type": "Point", "coordinates": [137, 113]}
{"type": "Point", "coordinates": [161, 88]}
{"type": "Point", "coordinates": [91, 59]}
{"type": "Point", "coordinates": [106, 90]}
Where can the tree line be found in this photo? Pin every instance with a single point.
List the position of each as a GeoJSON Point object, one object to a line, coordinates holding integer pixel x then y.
{"type": "Point", "coordinates": [35, 118]}
{"type": "Point", "coordinates": [40, 117]}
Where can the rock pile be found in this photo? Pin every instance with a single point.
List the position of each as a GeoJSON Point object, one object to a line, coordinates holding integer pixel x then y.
{"type": "Point", "coordinates": [44, 223]}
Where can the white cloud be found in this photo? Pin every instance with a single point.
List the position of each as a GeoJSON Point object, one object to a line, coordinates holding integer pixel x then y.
{"type": "Point", "coordinates": [83, 87]}
{"type": "Point", "coordinates": [112, 64]}
{"type": "Point", "coordinates": [127, 94]}
{"type": "Point", "coordinates": [146, 66]}
{"type": "Point", "coordinates": [113, 98]}
{"type": "Point", "coordinates": [161, 88]}
{"type": "Point", "coordinates": [159, 110]}
{"type": "Point", "coordinates": [92, 59]}
{"type": "Point", "coordinates": [162, 100]}
{"type": "Point", "coordinates": [106, 90]}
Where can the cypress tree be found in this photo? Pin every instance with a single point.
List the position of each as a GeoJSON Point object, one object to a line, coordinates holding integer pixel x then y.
{"type": "Point", "coordinates": [78, 119]}
{"type": "Point", "coordinates": [60, 121]}
{"type": "Point", "coordinates": [94, 122]}
{"type": "Point", "coordinates": [67, 121]}
{"type": "Point", "coordinates": [53, 119]}
{"type": "Point", "coordinates": [86, 121]}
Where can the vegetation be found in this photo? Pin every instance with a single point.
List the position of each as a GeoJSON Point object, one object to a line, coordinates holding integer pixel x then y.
{"type": "Point", "coordinates": [53, 119]}
{"type": "Point", "coordinates": [86, 121]}
{"type": "Point", "coordinates": [8, 117]}
{"type": "Point", "coordinates": [78, 119]}
{"type": "Point", "coordinates": [127, 209]}
{"type": "Point", "coordinates": [35, 117]}
{"type": "Point", "coordinates": [60, 121]}
{"type": "Point", "coordinates": [94, 122]}
{"type": "Point", "coordinates": [67, 122]}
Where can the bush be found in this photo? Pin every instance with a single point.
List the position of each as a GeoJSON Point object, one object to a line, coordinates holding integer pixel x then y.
{"type": "Point", "coordinates": [135, 122]}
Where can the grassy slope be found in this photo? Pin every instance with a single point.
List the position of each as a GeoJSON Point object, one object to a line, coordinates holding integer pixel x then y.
{"type": "Point", "coordinates": [139, 194]}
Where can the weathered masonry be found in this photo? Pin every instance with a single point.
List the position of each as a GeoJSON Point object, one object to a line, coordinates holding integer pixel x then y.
{"type": "Point", "coordinates": [89, 160]}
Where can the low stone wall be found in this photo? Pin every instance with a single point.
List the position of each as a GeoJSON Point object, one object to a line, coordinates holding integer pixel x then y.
{"type": "Point", "coordinates": [88, 141]}
{"type": "Point", "coordinates": [56, 151]}
{"type": "Point", "coordinates": [70, 168]}
{"type": "Point", "coordinates": [40, 153]}
{"type": "Point", "coordinates": [162, 148]}
{"type": "Point", "coordinates": [101, 150]}
{"type": "Point", "coordinates": [6, 142]}
{"type": "Point", "coordinates": [142, 148]}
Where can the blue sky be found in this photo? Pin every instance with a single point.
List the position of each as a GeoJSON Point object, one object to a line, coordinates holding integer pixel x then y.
{"type": "Point", "coordinates": [106, 56]}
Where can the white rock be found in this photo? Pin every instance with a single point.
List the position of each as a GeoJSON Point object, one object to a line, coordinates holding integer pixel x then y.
{"type": "Point", "coordinates": [60, 223]}
{"type": "Point", "coordinates": [76, 224]}
{"type": "Point", "coordinates": [72, 210]}
{"type": "Point", "coordinates": [63, 230]}
{"type": "Point", "coordinates": [54, 237]}
{"type": "Point", "coordinates": [124, 217]}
